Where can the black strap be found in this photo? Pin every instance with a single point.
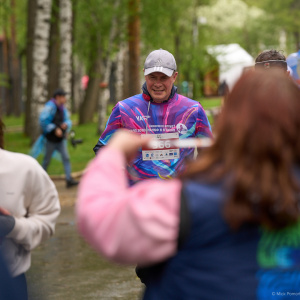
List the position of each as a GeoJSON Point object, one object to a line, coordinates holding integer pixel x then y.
{"type": "Point", "coordinates": [185, 220]}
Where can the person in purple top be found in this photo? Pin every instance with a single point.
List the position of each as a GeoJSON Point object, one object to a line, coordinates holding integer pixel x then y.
{"type": "Point", "coordinates": [160, 111]}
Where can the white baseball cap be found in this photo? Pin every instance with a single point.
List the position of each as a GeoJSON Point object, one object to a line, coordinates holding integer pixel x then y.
{"type": "Point", "coordinates": [160, 61]}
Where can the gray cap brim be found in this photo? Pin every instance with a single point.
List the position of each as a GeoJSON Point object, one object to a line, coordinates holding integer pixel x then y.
{"type": "Point", "coordinates": [166, 71]}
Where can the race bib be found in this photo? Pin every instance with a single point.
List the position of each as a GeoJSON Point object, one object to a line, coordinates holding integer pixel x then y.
{"type": "Point", "coordinates": [163, 147]}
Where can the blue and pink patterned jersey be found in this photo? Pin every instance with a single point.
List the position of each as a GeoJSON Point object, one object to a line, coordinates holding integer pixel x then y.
{"type": "Point", "coordinates": [179, 115]}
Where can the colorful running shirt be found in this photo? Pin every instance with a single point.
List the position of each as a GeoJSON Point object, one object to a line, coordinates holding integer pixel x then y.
{"type": "Point", "coordinates": [178, 118]}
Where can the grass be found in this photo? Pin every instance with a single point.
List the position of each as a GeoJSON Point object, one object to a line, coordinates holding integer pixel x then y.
{"type": "Point", "coordinates": [16, 141]}
{"type": "Point", "coordinates": [80, 155]}
{"type": "Point", "coordinates": [210, 103]}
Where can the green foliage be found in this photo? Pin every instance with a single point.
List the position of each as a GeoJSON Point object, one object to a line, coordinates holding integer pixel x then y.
{"type": "Point", "coordinates": [5, 11]}
{"type": "Point", "coordinates": [4, 80]}
{"type": "Point", "coordinates": [173, 25]}
{"type": "Point", "coordinates": [93, 22]}
{"type": "Point", "coordinates": [282, 16]}
{"type": "Point", "coordinates": [234, 21]}
{"type": "Point", "coordinates": [21, 28]}
{"type": "Point", "coordinates": [184, 27]}
{"type": "Point", "coordinates": [20, 16]}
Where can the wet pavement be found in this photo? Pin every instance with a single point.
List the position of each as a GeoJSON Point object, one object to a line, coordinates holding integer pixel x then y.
{"type": "Point", "coordinates": [65, 267]}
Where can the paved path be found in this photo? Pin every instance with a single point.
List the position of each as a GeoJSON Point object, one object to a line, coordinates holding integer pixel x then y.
{"type": "Point", "coordinates": [66, 268]}
{"type": "Point", "coordinates": [67, 196]}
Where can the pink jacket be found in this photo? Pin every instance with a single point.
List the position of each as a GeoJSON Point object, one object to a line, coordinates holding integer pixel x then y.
{"type": "Point", "coordinates": [130, 225]}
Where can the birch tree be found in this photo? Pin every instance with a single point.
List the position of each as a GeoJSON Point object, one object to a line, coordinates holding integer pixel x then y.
{"type": "Point", "coordinates": [134, 24]}
{"type": "Point", "coordinates": [65, 74]}
{"type": "Point", "coordinates": [39, 64]}
{"type": "Point", "coordinates": [121, 81]}
{"type": "Point", "coordinates": [54, 49]}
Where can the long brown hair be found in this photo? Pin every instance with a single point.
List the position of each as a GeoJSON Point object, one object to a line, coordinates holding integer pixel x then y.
{"type": "Point", "coordinates": [257, 146]}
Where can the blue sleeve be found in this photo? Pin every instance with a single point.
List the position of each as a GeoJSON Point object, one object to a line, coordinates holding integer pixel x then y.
{"type": "Point", "coordinates": [46, 117]}
{"type": "Point", "coordinates": [67, 119]}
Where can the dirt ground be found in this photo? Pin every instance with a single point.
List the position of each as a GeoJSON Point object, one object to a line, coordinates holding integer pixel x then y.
{"type": "Point", "coordinates": [67, 196]}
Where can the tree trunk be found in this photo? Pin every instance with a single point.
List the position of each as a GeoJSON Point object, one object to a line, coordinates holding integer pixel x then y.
{"type": "Point", "coordinates": [104, 92]}
{"type": "Point", "coordinates": [91, 98]}
{"type": "Point", "coordinates": [31, 17]}
{"type": "Point", "coordinates": [54, 45]}
{"type": "Point", "coordinates": [126, 78]}
{"type": "Point", "coordinates": [16, 85]}
{"type": "Point", "coordinates": [6, 89]}
{"type": "Point", "coordinates": [74, 103]}
{"type": "Point", "coordinates": [78, 91]}
{"type": "Point", "coordinates": [121, 78]}
{"type": "Point", "coordinates": [134, 47]}
{"type": "Point", "coordinates": [40, 67]}
{"type": "Point", "coordinates": [2, 78]}
{"type": "Point", "coordinates": [65, 74]}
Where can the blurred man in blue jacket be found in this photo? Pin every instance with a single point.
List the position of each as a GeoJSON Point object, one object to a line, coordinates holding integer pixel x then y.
{"type": "Point", "coordinates": [55, 123]}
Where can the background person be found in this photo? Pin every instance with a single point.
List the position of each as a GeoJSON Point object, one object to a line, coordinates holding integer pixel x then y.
{"type": "Point", "coordinates": [161, 112]}
{"type": "Point", "coordinates": [223, 90]}
{"type": "Point", "coordinates": [55, 123]}
{"type": "Point", "coordinates": [230, 228]}
{"type": "Point", "coordinates": [29, 207]}
{"type": "Point", "coordinates": [270, 59]}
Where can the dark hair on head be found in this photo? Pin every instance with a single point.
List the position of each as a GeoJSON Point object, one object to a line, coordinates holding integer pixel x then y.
{"type": "Point", "coordinates": [270, 55]}
{"type": "Point", "coordinates": [256, 147]}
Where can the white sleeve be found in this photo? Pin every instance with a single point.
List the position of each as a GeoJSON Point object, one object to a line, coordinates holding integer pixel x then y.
{"type": "Point", "coordinates": [41, 205]}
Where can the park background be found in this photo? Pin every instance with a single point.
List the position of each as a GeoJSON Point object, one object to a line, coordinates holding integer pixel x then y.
{"type": "Point", "coordinates": [45, 44]}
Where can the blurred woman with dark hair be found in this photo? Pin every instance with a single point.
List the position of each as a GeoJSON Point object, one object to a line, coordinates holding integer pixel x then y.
{"type": "Point", "coordinates": [258, 143]}
{"type": "Point", "coordinates": [229, 228]}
